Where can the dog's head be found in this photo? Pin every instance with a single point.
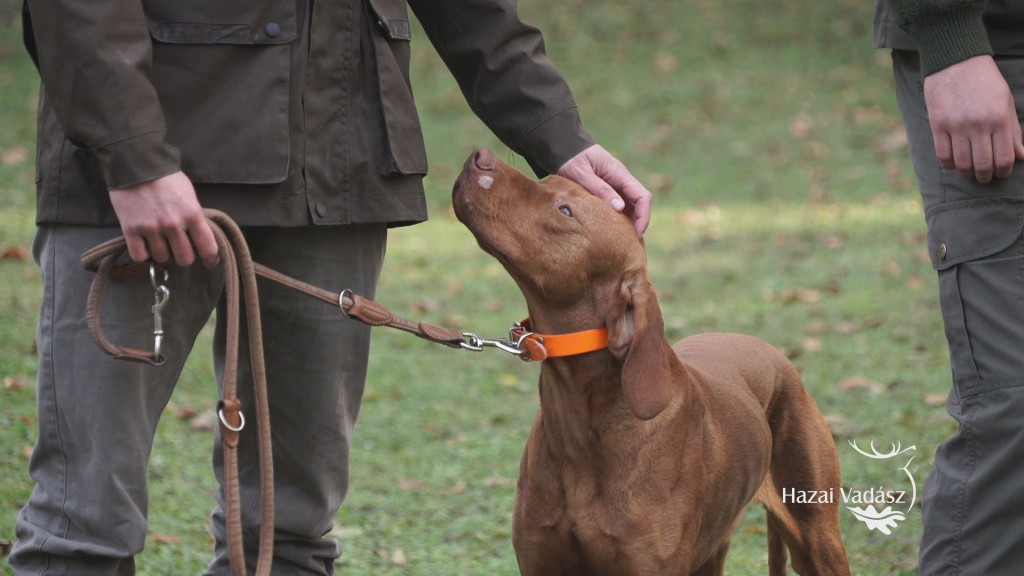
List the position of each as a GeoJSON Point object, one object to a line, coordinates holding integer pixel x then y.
{"type": "Point", "coordinates": [578, 263]}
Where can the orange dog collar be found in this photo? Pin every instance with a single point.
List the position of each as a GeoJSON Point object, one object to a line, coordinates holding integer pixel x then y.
{"type": "Point", "coordinates": [539, 347]}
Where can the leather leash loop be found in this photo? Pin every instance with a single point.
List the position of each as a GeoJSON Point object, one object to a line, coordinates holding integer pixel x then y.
{"type": "Point", "coordinates": [239, 285]}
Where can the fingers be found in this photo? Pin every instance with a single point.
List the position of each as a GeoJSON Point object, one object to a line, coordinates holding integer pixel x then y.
{"type": "Point", "coordinates": [162, 220]}
{"type": "Point", "coordinates": [982, 157]}
{"type": "Point", "coordinates": [204, 242]}
{"type": "Point", "coordinates": [607, 178]}
{"type": "Point", "coordinates": [974, 119]}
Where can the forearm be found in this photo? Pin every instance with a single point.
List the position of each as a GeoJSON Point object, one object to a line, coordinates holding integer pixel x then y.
{"type": "Point", "coordinates": [508, 80]}
{"type": "Point", "coordinates": [946, 31]}
{"type": "Point", "coordinates": [95, 60]}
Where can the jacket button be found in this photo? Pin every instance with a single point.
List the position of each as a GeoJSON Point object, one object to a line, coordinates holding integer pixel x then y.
{"type": "Point", "coordinates": [942, 251]}
{"type": "Point", "coordinates": [273, 30]}
{"type": "Point", "coordinates": [320, 209]}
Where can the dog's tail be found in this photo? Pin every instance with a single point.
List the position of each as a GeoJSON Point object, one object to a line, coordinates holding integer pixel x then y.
{"type": "Point", "coordinates": [777, 557]}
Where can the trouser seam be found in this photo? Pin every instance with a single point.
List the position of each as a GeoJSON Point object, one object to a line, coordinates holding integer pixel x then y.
{"type": "Point", "coordinates": [972, 459]}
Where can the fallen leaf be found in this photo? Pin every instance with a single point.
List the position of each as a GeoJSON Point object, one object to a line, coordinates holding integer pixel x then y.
{"type": "Point", "coordinates": [934, 399]}
{"type": "Point", "coordinates": [13, 156]}
{"type": "Point", "coordinates": [458, 488]}
{"type": "Point", "coordinates": [204, 422]}
{"type": "Point", "coordinates": [411, 484]}
{"type": "Point", "coordinates": [817, 328]}
{"type": "Point", "coordinates": [658, 182]}
{"type": "Point", "coordinates": [834, 241]}
{"type": "Point", "coordinates": [801, 127]}
{"type": "Point", "coordinates": [15, 383]}
{"type": "Point", "coordinates": [497, 481]}
{"type": "Point", "coordinates": [846, 328]}
{"type": "Point", "coordinates": [855, 383]}
{"type": "Point", "coordinates": [811, 344]}
{"type": "Point", "coordinates": [893, 141]}
{"type": "Point", "coordinates": [802, 295]}
{"type": "Point", "coordinates": [345, 532]}
{"type": "Point", "coordinates": [16, 253]}
{"type": "Point", "coordinates": [426, 305]}
{"type": "Point", "coordinates": [665, 62]}
{"type": "Point", "coordinates": [398, 557]}
{"type": "Point", "coordinates": [841, 427]}
{"type": "Point", "coordinates": [164, 539]}
{"type": "Point", "coordinates": [186, 412]}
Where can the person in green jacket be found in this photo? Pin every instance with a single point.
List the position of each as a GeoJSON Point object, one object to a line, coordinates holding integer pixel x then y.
{"type": "Point", "coordinates": [959, 70]}
{"type": "Point", "coordinates": [298, 120]}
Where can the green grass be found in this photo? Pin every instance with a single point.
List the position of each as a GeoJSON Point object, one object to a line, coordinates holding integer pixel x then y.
{"type": "Point", "coordinates": [784, 209]}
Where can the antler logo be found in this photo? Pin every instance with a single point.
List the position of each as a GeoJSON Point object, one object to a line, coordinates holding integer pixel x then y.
{"type": "Point", "coordinates": [887, 519]}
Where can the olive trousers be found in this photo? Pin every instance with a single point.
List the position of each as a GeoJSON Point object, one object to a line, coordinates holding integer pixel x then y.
{"type": "Point", "coordinates": [973, 499]}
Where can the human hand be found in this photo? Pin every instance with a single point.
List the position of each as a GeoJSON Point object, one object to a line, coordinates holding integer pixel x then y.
{"type": "Point", "coordinates": [161, 218]}
{"type": "Point", "coordinates": [607, 178]}
{"type": "Point", "coordinates": [973, 119]}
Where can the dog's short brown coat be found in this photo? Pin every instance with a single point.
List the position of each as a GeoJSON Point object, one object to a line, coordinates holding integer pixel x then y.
{"type": "Point", "coordinates": [643, 456]}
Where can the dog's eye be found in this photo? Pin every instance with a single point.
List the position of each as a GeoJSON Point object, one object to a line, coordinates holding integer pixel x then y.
{"type": "Point", "coordinates": [565, 210]}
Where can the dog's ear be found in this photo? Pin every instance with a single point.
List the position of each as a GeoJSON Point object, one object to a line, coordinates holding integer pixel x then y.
{"type": "Point", "coordinates": [636, 336]}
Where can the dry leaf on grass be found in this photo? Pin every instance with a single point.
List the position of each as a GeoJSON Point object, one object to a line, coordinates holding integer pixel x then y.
{"type": "Point", "coordinates": [411, 484]}
{"type": "Point", "coordinates": [841, 427]}
{"type": "Point", "coordinates": [15, 383]}
{"type": "Point", "coordinates": [13, 156]}
{"type": "Point", "coordinates": [855, 383]}
{"type": "Point", "coordinates": [204, 422]}
{"type": "Point", "coordinates": [16, 253]}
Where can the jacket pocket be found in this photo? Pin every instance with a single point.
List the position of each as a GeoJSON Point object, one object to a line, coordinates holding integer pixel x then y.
{"type": "Point", "coordinates": [968, 230]}
{"type": "Point", "coordinates": [391, 33]}
{"type": "Point", "coordinates": [223, 72]}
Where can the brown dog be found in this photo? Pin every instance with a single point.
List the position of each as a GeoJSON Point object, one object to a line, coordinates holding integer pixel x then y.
{"type": "Point", "coordinates": [643, 456]}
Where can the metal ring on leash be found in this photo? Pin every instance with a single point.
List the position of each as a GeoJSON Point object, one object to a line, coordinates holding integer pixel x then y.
{"type": "Point", "coordinates": [341, 301]}
{"type": "Point", "coordinates": [224, 421]}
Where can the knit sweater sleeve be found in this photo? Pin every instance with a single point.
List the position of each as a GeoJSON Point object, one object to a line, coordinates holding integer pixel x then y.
{"type": "Point", "coordinates": [946, 31]}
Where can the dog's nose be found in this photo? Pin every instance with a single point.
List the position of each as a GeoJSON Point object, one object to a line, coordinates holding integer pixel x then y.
{"type": "Point", "coordinates": [484, 159]}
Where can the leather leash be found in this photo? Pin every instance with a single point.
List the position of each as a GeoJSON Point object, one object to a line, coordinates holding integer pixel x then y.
{"type": "Point", "coordinates": [241, 271]}
{"type": "Point", "coordinates": [238, 271]}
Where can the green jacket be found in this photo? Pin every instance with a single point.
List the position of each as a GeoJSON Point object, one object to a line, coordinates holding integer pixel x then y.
{"type": "Point", "coordinates": [949, 31]}
{"type": "Point", "coordinates": [282, 113]}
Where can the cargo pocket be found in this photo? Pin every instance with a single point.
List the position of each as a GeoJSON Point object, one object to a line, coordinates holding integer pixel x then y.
{"type": "Point", "coordinates": [392, 34]}
{"type": "Point", "coordinates": [977, 249]}
{"type": "Point", "coordinates": [224, 88]}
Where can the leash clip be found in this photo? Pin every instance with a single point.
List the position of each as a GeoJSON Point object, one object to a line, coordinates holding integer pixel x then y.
{"type": "Point", "coordinates": [476, 343]}
{"type": "Point", "coordinates": [516, 343]}
{"type": "Point", "coordinates": [161, 294]}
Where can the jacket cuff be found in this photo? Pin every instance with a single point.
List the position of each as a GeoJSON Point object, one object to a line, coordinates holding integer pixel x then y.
{"type": "Point", "coordinates": [554, 142]}
{"type": "Point", "coordinates": [948, 38]}
{"type": "Point", "coordinates": [131, 161]}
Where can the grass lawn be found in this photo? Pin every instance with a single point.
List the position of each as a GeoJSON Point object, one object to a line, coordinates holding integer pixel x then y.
{"type": "Point", "coordinates": [784, 209]}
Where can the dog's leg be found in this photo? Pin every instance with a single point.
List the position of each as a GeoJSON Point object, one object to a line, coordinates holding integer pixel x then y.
{"type": "Point", "coordinates": [777, 556]}
{"type": "Point", "coordinates": [804, 460]}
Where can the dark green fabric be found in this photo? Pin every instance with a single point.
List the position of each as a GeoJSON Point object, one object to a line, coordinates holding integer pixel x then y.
{"type": "Point", "coordinates": [949, 31]}
{"type": "Point", "coordinates": [282, 112]}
